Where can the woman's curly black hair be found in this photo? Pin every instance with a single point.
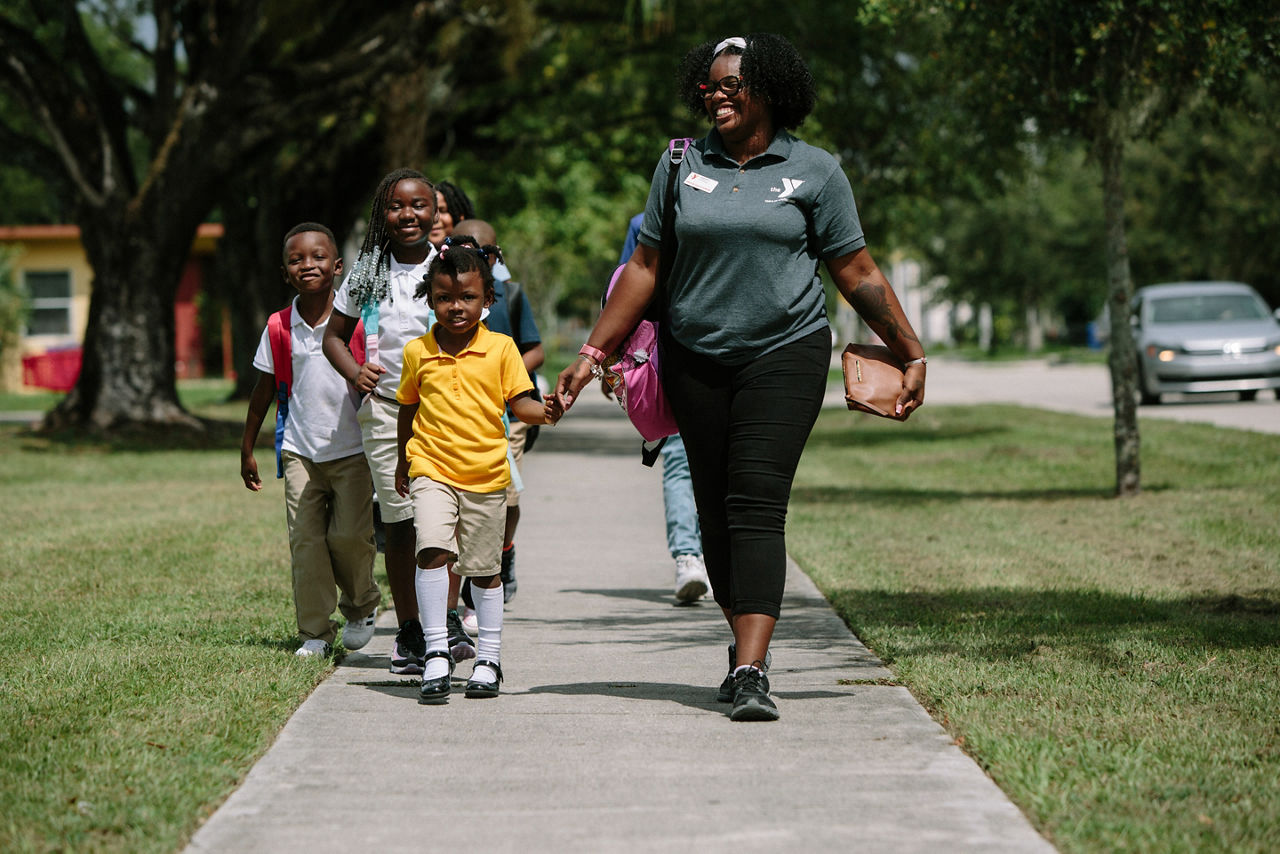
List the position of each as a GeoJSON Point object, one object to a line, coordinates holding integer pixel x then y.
{"type": "Point", "coordinates": [771, 68]}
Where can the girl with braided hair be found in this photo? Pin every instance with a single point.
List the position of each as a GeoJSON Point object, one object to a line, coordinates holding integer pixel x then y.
{"type": "Point", "coordinates": [379, 291]}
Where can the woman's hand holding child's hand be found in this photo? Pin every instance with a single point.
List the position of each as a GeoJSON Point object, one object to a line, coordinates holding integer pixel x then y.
{"type": "Point", "coordinates": [571, 381]}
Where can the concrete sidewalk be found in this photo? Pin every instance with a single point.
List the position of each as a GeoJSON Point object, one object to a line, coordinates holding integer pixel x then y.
{"type": "Point", "coordinates": [607, 736]}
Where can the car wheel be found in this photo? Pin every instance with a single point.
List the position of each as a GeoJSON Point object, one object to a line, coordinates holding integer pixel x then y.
{"type": "Point", "coordinates": [1146, 398]}
{"type": "Point", "coordinates": [1251, 394]}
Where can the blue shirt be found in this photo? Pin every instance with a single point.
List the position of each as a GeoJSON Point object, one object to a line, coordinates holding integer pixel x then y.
{"type": "Point", "coordinates": [633, 235]}
{"type": "Point", "coordinates": [750, 237]}
{"type": "Point", "coordinates": [500, 321]}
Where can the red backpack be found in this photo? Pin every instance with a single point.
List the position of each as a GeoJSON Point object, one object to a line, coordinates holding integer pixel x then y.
{"type": "Point", "coordinates": [280, 337]}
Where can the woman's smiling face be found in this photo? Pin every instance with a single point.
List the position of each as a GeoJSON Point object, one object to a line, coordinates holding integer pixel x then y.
{"type": "Point", "coordinates": [737, 116]}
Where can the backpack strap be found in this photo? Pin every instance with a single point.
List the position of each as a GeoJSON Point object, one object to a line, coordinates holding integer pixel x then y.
{"type": "Point", "coordinates": [280, 336]}
{"type": "Point", "coordinates": [515, 302]}
{"type": "Point", "coordinates": [649, 451]}
{"type": "Point", "coordinates": [676, 150]}
{"type": "Point", "coordinates": [356, 344]}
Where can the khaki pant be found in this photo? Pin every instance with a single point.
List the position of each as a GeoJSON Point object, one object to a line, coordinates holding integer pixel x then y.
{"type": "Point", "coordinates": [329, 507]}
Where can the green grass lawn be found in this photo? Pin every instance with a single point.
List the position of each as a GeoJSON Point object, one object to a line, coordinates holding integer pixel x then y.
{"type": "Point", "coordinates": [1113, 664]}
{"type": "Point", "coordinates": [145, 595]}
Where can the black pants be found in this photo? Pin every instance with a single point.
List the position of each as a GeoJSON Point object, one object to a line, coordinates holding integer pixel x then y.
{"type": "Point", "coordinates": [744, 428]}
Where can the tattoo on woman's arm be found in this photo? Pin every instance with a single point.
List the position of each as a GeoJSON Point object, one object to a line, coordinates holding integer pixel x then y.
{"type": "Point", "coordinates": [871, 303]}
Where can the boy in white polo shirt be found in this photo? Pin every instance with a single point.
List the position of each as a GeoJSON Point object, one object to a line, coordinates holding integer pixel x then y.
{"type": "Point", "coordinates": [328, 491]}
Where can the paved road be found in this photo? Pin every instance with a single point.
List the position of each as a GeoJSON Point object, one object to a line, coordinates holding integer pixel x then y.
{"type": "Point", "coordinates": [1082, 390]}
{"type": "Point", "coordinates": [1075, 388]}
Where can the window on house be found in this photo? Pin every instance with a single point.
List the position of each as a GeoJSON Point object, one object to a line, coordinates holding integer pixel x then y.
{"type": "Point", "coordinates": [50, 294]}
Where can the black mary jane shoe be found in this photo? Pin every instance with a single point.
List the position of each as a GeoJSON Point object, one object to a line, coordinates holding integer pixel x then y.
{"type": "Point", "coordinates": [435, 692]}
{"type": "Point", "coordinates": [484, 690]}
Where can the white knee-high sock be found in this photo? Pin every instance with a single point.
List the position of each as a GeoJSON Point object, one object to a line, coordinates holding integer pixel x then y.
{"type": "Point", "coordinates": [432, 586]}
{"type": "Point", "coordinates": [489, 628]}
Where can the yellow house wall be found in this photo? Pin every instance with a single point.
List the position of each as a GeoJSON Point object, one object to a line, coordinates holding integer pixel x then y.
{"type": "Point", "coordinates": [50, 255]}
{"type": "Point", "coordinates": [57, 253]}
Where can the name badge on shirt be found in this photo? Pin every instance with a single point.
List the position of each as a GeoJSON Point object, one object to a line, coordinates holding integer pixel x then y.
{"type": "Point", "coordinates": [701, 182]}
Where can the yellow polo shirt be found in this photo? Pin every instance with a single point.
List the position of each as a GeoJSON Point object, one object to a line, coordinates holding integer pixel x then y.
{"type": "Point", "coordinates": [458, 436]}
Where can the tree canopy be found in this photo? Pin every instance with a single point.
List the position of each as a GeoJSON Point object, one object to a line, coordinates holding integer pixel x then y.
{"type": "Point", "coordinates": [975, 136]}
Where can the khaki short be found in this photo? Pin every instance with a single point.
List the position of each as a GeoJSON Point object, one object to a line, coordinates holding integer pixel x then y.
{"type": "Point", "coordinates": [468, 525]}
{"type": "Point", "coordinates": [378, 419]}
{"type": "Point", "coordinates": [516, 434]}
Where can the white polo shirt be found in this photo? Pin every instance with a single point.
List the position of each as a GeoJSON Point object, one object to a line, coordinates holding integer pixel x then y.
{"type": "Point", "coordinates": [401, 318]}
{"type": "Point", "coordinates": [322, 422]}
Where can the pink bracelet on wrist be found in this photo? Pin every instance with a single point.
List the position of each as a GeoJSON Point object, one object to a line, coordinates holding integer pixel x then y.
{"type": "Point", "coordinates": [592, 353]}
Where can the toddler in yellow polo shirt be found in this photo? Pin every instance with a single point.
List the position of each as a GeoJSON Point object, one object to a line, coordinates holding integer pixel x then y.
{"type": "Point", "coordinates": [456, 384]}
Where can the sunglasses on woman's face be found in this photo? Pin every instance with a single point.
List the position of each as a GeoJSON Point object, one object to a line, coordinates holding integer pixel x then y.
{"type": "Point", "coordinates": [730, 85]}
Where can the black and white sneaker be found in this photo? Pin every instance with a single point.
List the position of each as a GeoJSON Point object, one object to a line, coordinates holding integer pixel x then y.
{"type": "Point", "coordinates": [725, 692]}
{"type": "Point", "coordinates": [508, 573]}
{"type": "Point", "coordinates": [751, 700]}
{"type": "Point", "coordinates": [461, 646]}
{"type": "Point", "coordinates": [409, 649]}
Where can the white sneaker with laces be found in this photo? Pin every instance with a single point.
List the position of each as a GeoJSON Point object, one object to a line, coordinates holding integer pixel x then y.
{"type": "Point", "coordinates": [357, 633]}
{"type": "Point", "coordinates": [691, 578]}
{"type": "Point", "coordinates": [312, 647]}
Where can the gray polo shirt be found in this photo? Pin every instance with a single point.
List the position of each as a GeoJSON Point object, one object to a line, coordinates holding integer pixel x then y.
{"type": "Point", "coordinates": [745, 277]}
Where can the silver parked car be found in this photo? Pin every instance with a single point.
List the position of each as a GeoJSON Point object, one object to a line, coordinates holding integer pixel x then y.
{"type": "Point", "coordinates": [1205, 336]}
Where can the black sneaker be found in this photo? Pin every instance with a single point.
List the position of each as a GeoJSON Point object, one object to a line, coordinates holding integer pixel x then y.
{"type": "Point", "coordinates": [461, 646]}
{"type": "Point", "coordinates": [509, 574]}
{"type": "Point", "coordinates": [751, 696]}
{"type": "Point", "coordinates": [725, 692]}
{"type": "Point", "coordinates": [409, 649]}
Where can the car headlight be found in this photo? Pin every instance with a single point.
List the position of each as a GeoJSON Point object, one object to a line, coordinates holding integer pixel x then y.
{"type": "Point", "coordinates": [1161, 353]}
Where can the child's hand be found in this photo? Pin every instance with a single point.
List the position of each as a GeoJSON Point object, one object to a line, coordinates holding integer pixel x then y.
{"type": "Point", "coordinates": [367, 379]}
{"type": "Point", "coordinates": [402, 478]}
{"type": "Point", "coordinates": [552, 411]}
{"type": "Point", "coordinates": [249, 472]}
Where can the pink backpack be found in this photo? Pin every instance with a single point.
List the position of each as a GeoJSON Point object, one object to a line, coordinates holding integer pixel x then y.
{"type": "Point", "coordinates": [636, 379]}
{"type": "Point", "coordinates": [633, 371]}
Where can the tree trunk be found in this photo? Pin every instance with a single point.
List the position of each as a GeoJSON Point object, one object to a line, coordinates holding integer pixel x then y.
{"type": "Point", "coordinates": [247, 276]}
{"type": "Point", "coordinates": [1035, 327]}
{"type": "Point", "coordinates": [127, 376]}
{"type": "Point", "coordinates": [1122, 361]}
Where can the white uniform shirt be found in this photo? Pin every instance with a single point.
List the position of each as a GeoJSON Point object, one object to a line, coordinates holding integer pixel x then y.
{"type": "Point", "coordinates": [322, 422]}
{"type": "Point", "coordinates": [401, 318]}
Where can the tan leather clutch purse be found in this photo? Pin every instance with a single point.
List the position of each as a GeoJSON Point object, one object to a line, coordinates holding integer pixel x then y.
{"type": "Point", "coordinates": [872, 380]}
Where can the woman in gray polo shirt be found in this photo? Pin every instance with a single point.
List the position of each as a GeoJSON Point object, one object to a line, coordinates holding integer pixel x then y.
{"type": "Point", "coordinates": [746, 343]}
